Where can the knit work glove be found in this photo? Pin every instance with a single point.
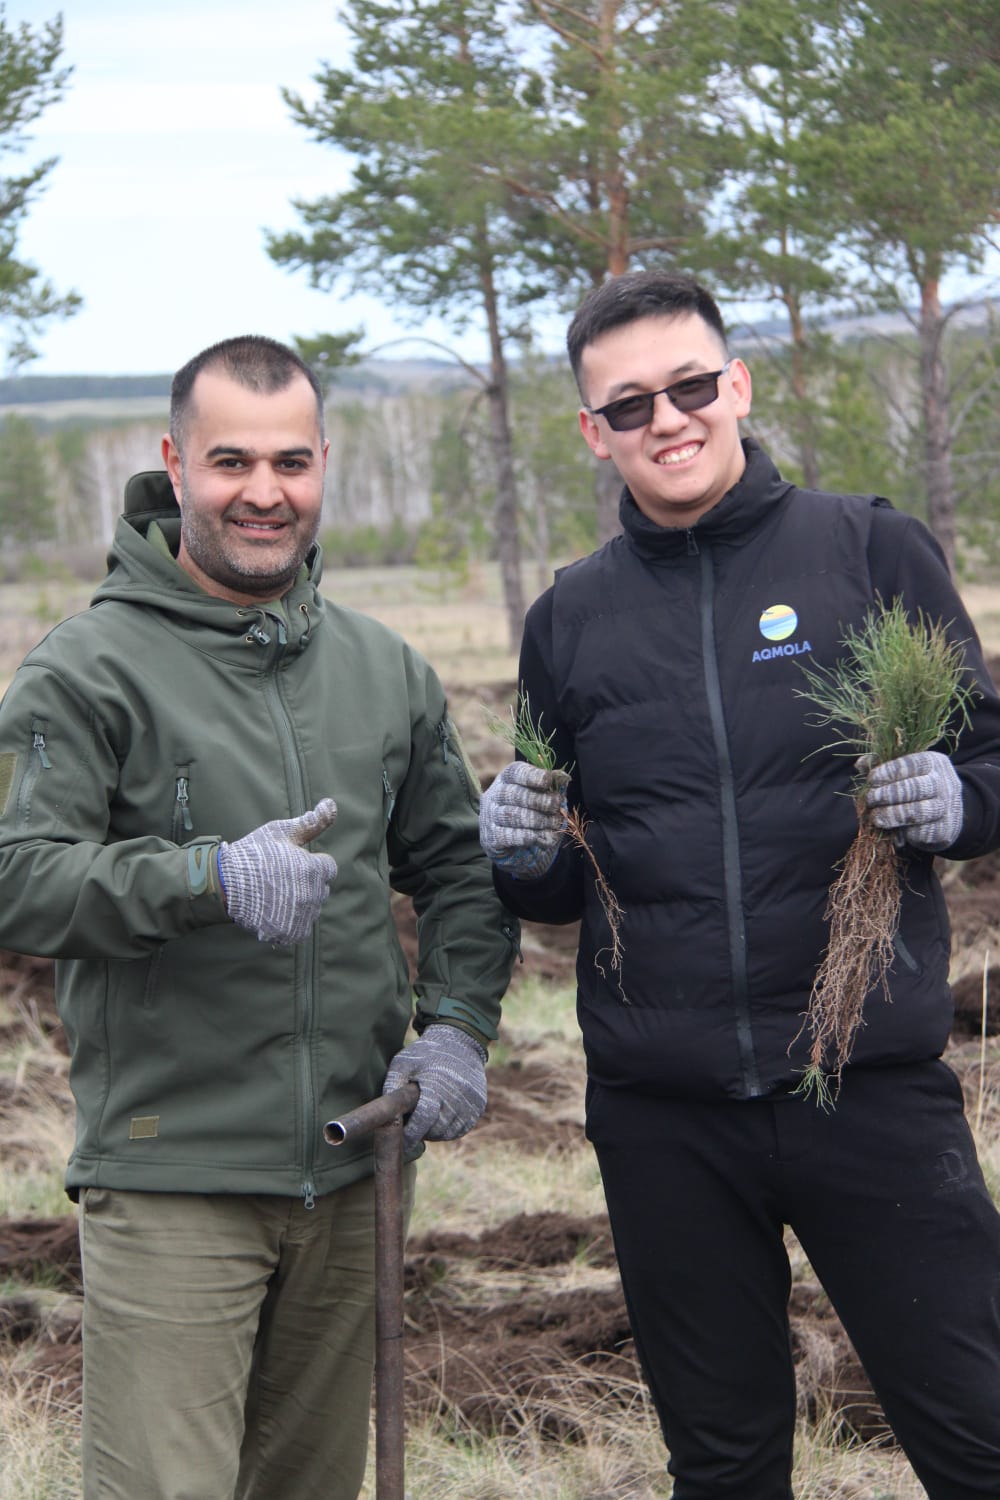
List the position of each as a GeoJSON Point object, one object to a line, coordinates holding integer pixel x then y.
{"type": "Point", "coordinates": [450, 1067]}
{"type": "Point", "coordinates": [522, 817]}
{"type": "Point", "coordinates": [921, 795]}
{"type": "Point", "coordinates": [273, 885]}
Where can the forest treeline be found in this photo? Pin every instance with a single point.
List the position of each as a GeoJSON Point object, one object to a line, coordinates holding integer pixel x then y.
{"type": "Point", "coordinates": [411, 476]}
{"type": "Point", "coordinates": [46, 390]}
{"type": "Point", "coordinates": [38, 390]}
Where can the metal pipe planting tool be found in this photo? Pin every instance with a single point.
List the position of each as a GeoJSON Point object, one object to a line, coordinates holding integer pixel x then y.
{"type": "Point", "coordinates": [383, 1118]}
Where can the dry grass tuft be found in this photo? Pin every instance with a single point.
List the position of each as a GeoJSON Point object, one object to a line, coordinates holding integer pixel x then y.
{"type": "Point", "coordinates": [39, 1445]}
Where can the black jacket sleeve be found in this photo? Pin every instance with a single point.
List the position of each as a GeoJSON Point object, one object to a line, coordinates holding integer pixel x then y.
{"type": "Point", "coordinates": [557, 896]}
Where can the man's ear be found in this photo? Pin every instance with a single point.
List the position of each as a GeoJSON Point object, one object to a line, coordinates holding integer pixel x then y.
{"type": "Point", "coordinates": [172, 463]}
{"type": "Point", "coordinates": [592, 434]}
{"type": "Point", "coordinates": [742, 385]}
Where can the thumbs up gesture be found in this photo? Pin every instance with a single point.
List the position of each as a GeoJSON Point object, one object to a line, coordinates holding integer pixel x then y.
{"type": "Point", "coordinates": [273, 883]}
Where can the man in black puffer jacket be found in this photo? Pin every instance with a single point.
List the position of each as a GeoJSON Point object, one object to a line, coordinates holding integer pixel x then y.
{"type": "Point", "coordinates": [667, 669]}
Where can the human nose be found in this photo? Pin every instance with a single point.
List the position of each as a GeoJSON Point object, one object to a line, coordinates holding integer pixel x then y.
{"type": "Point", "coordinates": [666, 416]}
{"type": "Point", "coordinates": [262, 487]}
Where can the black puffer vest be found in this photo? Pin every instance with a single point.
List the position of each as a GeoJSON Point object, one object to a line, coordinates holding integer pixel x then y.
{"type": "Point", "coordinates": [717, 815]}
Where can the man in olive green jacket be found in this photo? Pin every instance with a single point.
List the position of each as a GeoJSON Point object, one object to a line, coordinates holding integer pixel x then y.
{"type": "Point", "coordinates": [210, 784]}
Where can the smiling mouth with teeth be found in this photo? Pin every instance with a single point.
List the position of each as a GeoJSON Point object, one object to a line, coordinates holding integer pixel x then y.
{"type": "Point", "coordinates": [679, 455]}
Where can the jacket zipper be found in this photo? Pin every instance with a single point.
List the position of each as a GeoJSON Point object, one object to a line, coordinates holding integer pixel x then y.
{"type": "Point", "coordinates": [732, 872]}
{"type": "Point", "coordinates": [38, 744]}
{"type": "Point", "coordinates": [388, 796]}
{"type": "Point", "coordinates": [182, 809]}
{"type": "Point", "coordinates": [39, 762]}
{"type": "Point", "coordinates": [296, 782]}
{"type": "Point", "coordinates": [510, 934]}
{"type": "Point", "coordinates": [449, 754]}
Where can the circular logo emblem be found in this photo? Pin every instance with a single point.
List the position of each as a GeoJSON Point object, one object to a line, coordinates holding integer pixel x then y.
{"type": "Point", "coordinates": [778, 622]}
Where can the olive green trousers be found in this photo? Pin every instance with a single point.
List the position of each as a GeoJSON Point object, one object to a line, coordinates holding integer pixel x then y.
{"type": "Point", "coordinates": [228, 1344]}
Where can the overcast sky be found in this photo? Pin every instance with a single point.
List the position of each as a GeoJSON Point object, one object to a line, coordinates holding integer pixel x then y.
{"type": "Point", "coordinates": [176, 154]}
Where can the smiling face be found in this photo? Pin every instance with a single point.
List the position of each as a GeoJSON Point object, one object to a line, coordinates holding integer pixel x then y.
{"type": "Point", "coordinates": [679, 464]}
{"type": "Point", "coordinates": [248, 477]}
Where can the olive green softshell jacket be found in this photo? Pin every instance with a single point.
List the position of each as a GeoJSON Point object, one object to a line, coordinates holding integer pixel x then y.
{"type": "Point", "coordinates": [133, 739]}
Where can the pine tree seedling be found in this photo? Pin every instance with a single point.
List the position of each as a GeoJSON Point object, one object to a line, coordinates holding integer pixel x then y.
{"type": "Point", "coordinates": [525, 735]}
{"type": "Point", "coordinates": [898, 689]}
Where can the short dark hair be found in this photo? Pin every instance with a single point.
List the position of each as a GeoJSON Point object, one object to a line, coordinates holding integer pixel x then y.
{"type": "Point", "coordinates": [633, 295]}
{"type": "Point", "coordinates": [253, 361]}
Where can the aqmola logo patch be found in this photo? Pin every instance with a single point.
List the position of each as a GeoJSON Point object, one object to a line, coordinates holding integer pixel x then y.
{"type": "Point", "coordinates": [778, 622]}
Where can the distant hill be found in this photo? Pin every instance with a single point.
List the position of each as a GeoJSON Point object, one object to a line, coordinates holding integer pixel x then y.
{"type": "Point", "coordinates": [31, 390]}
{"type": "Point", "coordinates": [847, 327]}
{"type": "Point", "coordinates": [387, 376]}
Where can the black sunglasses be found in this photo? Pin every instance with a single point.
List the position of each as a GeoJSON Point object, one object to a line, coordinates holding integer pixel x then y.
{"type": "Point", "coordinates": [690, 394]}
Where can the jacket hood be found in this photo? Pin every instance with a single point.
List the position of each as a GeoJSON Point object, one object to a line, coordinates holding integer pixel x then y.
{"type": "Point", "coordinates": [760, 488]}
{"type": "Point", "coordinates": [150, 496]}
{"type": "Point", "coordinates": [141, 572]}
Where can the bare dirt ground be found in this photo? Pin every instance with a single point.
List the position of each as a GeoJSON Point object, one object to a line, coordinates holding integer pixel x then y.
{"type": "Point", "coordinates": [499, 1326]}
{"type": "Point", "coordinates": [495, 1325]}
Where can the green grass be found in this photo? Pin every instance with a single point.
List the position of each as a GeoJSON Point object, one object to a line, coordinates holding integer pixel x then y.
{"type": "Point", "coordinates": [534, 1013]}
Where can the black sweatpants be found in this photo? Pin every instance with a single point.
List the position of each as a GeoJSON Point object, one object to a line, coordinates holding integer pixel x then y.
{"type": "Point", "coordinates": [889, 1204]}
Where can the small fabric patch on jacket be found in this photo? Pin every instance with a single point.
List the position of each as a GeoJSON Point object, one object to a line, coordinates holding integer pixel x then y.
{"type": "Point", "coordinates": [143, 1127]}
{"type": "Point", "coordinates": [200, 858]}
{"type": "Point", "coordinates": [8, 765]}
{"type": "Point", "coordinates": [953, 1169]}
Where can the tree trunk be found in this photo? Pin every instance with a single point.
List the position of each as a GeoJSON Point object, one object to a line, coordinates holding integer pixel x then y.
{"type": "Point", "coordinates": [506, 507]}
{"type": "Point", "coordinates": [608, 487]}
{"type": "Point", "coordinates": [937, 421]}
{"type": "Point", "coordinates": [615, 183]}
{"type": "Point", "coordinates": [607, 481]}
{"type": "Point", "coordinates": [804, 423]}
{"type": "Point", "coordinates": [543, 540]}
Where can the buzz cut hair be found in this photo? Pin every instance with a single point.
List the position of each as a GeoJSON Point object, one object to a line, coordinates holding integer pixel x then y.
{"type": "Point", "coordinates": [251, 360]}
{"type": "Point", "coordinates": [638, 294]}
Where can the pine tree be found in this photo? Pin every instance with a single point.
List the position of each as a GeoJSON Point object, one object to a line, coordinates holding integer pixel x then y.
{"type": "Point", "coordinates": [30, 80]}
{"type": "Point", "coordinates": [431, 96]}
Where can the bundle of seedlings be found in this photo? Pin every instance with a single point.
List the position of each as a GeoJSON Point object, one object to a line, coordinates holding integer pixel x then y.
{"type": "Point", "coordinates": [525, 735]}
{"type": "Point", "coordinates": [898, 689]}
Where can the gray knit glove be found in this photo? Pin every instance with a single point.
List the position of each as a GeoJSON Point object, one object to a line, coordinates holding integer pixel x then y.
{"type": "Point", "coordinates": [450, 1067]}
{"type": "Point", "coordinates": [522, 817]}
{"type": "Point", "coordinates": [919, 794]}
{"type": "Point", "coordinates": [273, 885]}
